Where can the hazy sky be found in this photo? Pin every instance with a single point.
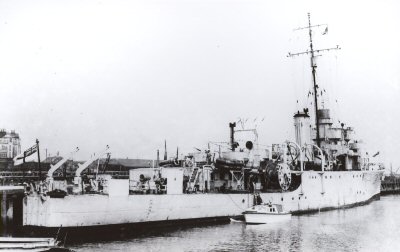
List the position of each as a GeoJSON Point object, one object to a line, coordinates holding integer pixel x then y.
{"type": "Point", "coordinates": [133, 73]}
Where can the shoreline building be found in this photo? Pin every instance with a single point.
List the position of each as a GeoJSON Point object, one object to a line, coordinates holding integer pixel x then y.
{"type": "Point", "coordinates": [10, 146]}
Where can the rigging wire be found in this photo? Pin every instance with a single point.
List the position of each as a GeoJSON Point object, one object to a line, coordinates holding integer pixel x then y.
{"type": "Point", "coordinates": [337, 107]}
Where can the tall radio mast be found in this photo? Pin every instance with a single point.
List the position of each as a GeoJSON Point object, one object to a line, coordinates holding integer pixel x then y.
{"type": "Point", "coordinates": [312, 53]}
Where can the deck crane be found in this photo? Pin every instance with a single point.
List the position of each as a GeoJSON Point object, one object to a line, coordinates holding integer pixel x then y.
{"type": "Point", "coordinates": [50, 179]}
{"type": "Point", "coordinates": [105, 164]}
{"type": "Point", "coordinates": [55, 167]}
{"type": "Point", "coordinates": [82, 167]}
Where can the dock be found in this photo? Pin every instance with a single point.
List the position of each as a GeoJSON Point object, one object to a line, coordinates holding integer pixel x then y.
{"type": "Point", "coordinates": [11, 207]}
{"type": "Point", "coordinates": [390, 185]}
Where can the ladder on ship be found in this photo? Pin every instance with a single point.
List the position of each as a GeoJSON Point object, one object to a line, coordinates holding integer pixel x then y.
{"type": "Point", "coordinates": [193, 179]}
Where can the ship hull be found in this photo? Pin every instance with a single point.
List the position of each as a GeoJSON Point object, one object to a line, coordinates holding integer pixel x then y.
{"type": "Point", "coordinates": [318, 191]}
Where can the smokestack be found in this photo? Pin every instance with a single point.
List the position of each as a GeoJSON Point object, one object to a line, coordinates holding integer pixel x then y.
{"type": "Point", "coordinates": [302, 130]}
{"type": "Point", "coordinates": [165, 149]}
{"type": "Point", "coordinates": [158, 158]}
{"type": "Point", "coordinates": [232, 128]}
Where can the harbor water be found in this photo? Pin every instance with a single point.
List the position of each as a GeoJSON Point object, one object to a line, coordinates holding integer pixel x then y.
{"type": "Point", "coordinates": [372, 227]}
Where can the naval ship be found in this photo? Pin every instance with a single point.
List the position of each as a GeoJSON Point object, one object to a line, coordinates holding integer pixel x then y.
{"type": "Point", "coordinates": [325, 167]}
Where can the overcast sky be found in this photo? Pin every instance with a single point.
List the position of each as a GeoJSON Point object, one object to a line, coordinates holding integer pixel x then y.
{"type": "Point", "coordinates": [133, 73]}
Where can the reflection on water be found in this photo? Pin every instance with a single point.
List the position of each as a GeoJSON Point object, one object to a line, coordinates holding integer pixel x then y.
{"type": "Point", "coordinates": [372, 227]}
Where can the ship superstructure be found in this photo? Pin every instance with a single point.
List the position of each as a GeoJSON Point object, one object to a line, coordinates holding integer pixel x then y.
{"type": "Point", "coordinates": [322, 169]}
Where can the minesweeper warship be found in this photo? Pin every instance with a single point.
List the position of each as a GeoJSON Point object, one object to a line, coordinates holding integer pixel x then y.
{"type": "Point", "coordinates": [324, 168]}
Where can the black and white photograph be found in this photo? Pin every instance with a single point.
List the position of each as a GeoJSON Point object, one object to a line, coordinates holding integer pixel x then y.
{"type": "Point", "coordinates": [199, 125]}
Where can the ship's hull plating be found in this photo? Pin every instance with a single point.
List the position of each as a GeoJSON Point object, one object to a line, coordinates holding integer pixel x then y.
{"type": "Point", "coordinates": [318, 191]}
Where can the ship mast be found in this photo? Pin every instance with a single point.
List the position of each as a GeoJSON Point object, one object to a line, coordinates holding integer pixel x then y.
{"type": "Point", "coordinates": [313, 68]}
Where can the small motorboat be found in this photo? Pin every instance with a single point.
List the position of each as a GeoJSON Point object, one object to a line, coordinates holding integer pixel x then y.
{"type": "Point", "coordinates": [266, 213]}
{"type": "Point", "coordinates": [27, 244]}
